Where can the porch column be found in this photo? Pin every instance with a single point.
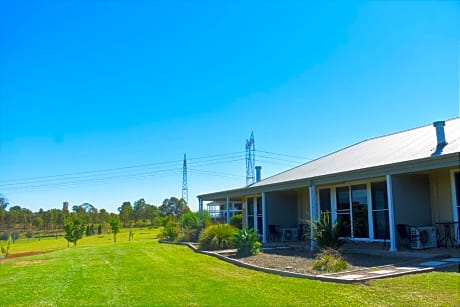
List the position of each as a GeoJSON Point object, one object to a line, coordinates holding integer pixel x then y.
{"type": "Point", "coordinates": [313, 214]}
{"type": "Point", "coordinates": [200, 209]}
{"type": "Point", "coordinates": [255, 214]}
{"type": "Point", "coordinates": [264, 219]}
{"type": "Point", "coordinates": [227, 208]}
{"type": "Point", "coordinates": [391, 219]}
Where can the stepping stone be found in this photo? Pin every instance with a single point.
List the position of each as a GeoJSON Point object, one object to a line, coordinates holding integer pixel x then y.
{"type": "Point", "coordinates": [452, 260]}
{"type": "Point", "coordinates": [407, 268]}
{"type": "Point", "coordinates": [382, 272]}
{"type": "Point", "coordinates": [351, 276]}
{"type": "Point", "coordinates": [433, 263]}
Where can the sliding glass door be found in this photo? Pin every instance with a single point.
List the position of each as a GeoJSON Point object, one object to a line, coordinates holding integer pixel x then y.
{"type": "Point", "coordinates": [352, 211]}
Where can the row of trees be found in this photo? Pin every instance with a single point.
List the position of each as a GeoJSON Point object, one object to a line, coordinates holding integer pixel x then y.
{"type": "Point", "coordinates": [139, 213]}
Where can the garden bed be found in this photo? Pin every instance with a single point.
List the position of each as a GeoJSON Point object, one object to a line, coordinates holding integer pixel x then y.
{"type": "Point", "coordinates": [301, 261]}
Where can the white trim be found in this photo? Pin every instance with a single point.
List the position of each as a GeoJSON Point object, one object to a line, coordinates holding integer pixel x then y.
{"type": "Point", "coordinates": [370, 216]}
{"type": "Point", "coordinates": [454, 194]}
{"type": "Point", "coordinates": [313, 214]}
{"type": "Point", "coordinates": [227, 207]}
{"type": "Point", "coordinates": [256, 227]}
{"type": "Point", "coordinates": [264, 220]}
{"type": "Point", "coordinates": [391, 219]}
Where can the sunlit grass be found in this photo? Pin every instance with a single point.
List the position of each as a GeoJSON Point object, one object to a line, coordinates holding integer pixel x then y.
{"type": "Point", "coordinates": [146, 273]}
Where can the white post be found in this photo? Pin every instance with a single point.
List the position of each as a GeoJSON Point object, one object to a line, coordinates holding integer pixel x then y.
{"type": "Point", "coordinates": [228, 210]}
{"type": "Point", "coordinates": [200, 208]}
{"type": "Point", "coordinates": [313, 214]}
{"type": "Point", "coordinates": [264, 219]}
{"type": "Point", "coordinates": [391, 214]}
{"type": "Point", "coordinates": [255, 214]}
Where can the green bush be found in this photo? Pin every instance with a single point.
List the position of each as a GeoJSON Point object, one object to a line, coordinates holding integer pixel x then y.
{"type": "Point", "coordinates": [246, 242]}
{"type": "Point", "coordinates": [171, 232]}
{"type": "Point", "coordinates": [237, 221]}
{"type": "Point", "coordinates": [191, 226]}
{"type": "Point", "coordinates": [29, 234]}
{"type": "Point", "coordinates": [216, 237]}
{"type": "Point", "coordinates": [5, 250]}
{"type": "Point", "coordinates": [329, 260]}
{"type": "Point", "coordinates": [326, 233]}
{"type": "Point", "coordinates": [4, 236]}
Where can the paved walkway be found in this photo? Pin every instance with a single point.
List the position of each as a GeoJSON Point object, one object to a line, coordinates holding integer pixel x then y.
{"type": "Point", "coordinates": [394, 270]}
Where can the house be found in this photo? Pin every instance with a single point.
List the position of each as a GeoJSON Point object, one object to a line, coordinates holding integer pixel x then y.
{"type": "Point", "coordinates": [410, 177]}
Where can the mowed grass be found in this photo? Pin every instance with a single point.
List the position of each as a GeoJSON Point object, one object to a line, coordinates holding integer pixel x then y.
{"type": "Point", "coordinates": [147, 273]}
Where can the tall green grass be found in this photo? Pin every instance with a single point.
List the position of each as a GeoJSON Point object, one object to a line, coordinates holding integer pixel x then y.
{"type": "Point", "coordinates": [146, 273]}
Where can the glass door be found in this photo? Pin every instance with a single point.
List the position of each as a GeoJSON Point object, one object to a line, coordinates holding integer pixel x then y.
{"type": "Point", "coordinates": [359, 211]}
{"type": "Point", "coordinates": [380, 210]}
{"type": "Point", "coordinates": [343, 211]}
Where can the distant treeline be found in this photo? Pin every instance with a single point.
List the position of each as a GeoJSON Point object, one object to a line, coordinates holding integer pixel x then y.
{"type": "Point", "coordinates": [140, 213]}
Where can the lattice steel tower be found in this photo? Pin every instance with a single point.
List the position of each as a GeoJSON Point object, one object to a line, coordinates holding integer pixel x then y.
{"type": "Point", "coordinates": [184, 180]}
{"type": "Point", "coordinates": [250, 160]}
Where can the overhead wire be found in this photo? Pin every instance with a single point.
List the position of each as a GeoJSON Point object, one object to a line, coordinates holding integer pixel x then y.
{"type": "Point", "coordinates": [143, 171]}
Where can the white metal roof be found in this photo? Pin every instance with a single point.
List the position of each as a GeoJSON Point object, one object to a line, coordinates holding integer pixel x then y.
{"type": "Point", "coordinates": [399, 147]}
{"type": "Point", "coordinates": [419, 144]}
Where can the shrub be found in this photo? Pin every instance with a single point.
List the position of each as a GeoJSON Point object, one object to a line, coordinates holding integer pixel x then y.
{"type": "Point", "coordinates": [329, 260]}
{"type": "Point", "coordinates": [29, 234]}
{"type": "Point", "coordinates": [246, 243]}
{"type": "Point", "coordinates": [5, 250]}
{"type": "Point", "coordinates": [216, 237]}
{"type": "Point", "coordinates": [15, 236]}
{"type": "Point", "coordinates": [171, 232]}
{"type": "Point", "coordinates": [326, 233]}
{"type": "Point", "coordinates": [191, 226]}
{"type": "Point", "coordinates": [4, 236]}
{"type": "Point", "coordinates": [237, 221]}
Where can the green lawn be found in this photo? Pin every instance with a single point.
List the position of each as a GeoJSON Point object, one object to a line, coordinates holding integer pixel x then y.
{"type": "Point", "coordinates": [146, 273]}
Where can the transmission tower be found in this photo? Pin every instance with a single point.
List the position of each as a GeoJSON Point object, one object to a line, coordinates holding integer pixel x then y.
{"type": "Point", "coordinates": [250, 160]}
{"type": "Point", "coordinates": [184, 180]}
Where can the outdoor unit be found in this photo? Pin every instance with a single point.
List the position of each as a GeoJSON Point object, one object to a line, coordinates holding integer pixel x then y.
{"type": "Point", "coordinates": [289, 234]}
{"type": "Point", "coordinates": [426, 239]}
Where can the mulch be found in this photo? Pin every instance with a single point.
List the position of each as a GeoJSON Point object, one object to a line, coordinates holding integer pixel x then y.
{"type": "Point", "coordinates": [301, 261]}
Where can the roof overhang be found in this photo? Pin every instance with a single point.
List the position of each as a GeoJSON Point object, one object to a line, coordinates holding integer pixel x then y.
{"type": "Point", "coordinates": [419, 165]}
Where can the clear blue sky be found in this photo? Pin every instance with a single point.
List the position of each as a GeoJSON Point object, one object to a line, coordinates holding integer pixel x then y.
{"type": "Point", "coordinates": [127, 86]}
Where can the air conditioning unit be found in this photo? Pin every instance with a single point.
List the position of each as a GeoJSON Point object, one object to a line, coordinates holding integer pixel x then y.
{"type": "Point", "coordinates": [426, 238]}
{"type": "Point", "coordinates": [289, 234]}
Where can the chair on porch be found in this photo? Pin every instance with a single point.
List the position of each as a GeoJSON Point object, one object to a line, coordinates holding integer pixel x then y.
{"type": "Point", "coordinates": [410, 234]}
{"type": "Point", "coordinates": [274, 232]}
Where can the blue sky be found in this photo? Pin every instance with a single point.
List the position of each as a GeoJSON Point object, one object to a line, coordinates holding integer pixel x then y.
{"type": "Point", "coordinates": [99, 100]}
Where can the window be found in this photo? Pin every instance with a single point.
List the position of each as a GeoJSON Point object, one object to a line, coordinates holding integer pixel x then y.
{"type": "Point", "coordinates": [250, 212]}
{"type": "Point", "coordinates": [343, 211]}
{"type": "Point", "coordinates": [380, 210]}
{"type": "Point", "coordinates": [259, 215]}
{"type": "Point", "coordinates": [325, 200]}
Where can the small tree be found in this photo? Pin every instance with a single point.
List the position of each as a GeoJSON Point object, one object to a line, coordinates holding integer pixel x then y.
{"type": "Point", "coordinates": [74, 229]}
{"type": "Point", "coordinates": [326, 233]}
{"type": "Point", "coordinates": [246, 242]}
{"type": "Point", "coordinates": [114, 225]}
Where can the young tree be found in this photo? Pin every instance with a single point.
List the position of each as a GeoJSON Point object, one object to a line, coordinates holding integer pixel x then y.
{"type": "Point", "coordinates": [74, 229]}
{"type": "Point", "coordinates": [126, 213]}
{"type": "Point", "coordinates": [115, 225]}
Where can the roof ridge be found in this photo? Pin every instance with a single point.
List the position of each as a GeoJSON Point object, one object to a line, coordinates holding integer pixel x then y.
{"type": "Point", "coordinates": [347, 147]}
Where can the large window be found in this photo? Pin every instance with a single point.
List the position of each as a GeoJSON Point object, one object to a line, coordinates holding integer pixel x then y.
{"type": "Point", "coordinates": [250, 212]}
{"type": "Point", "coordinates": [325, 200]}
{"type": "Point", "coordinates": [259, 215]}
{"type": "Point", "coordinates": [457, 193]}
{"type": "Point", "coordinates": [380, 211]}
{"type": "Point", "coordinates": [359, 203]}
{"type": "Point", "coordinates": [343, 211]}
{"type": "Point", "coordinates": [352, 214]}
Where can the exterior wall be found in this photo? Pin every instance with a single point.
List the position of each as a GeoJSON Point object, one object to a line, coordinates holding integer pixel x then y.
{"type": "Point", "coordinates": [411, 198]}
{"type": "Point", "coordinates": [441, 196]}
{"type": "Point", "coordinates": [303, 206]}
{"type": "Point", "coordinates": [281, 208]}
